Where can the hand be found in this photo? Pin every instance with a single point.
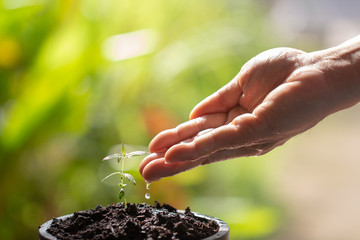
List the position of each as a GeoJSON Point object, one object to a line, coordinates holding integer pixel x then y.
{"type": "Point", "coordinates": [276, 95]}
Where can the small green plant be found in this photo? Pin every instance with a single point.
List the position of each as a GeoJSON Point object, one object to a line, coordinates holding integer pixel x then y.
{"type": "Point", "coordinates": [121, 159]}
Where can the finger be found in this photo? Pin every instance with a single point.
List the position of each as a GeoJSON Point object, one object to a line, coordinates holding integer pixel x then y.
{"type": "Point", "coordinates": [219, 102]}
{"type": "Point", "coordinates": [148, 159]}
{"type": "Point", "coordinates": [235, 112]}
{"type": "Point", "coordinates": [158, 168]}
{"type": "Point", "coordinates": [186, 130]}
{"type": "Point", "coordinates": [230, 136]}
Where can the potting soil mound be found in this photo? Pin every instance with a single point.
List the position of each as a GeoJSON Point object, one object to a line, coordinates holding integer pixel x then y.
{"type": "Point", "coordinates": [135, 221]}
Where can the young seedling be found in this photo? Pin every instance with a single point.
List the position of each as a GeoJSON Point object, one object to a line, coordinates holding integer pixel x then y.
{"type": "Point", "coordinates": [121, 158]}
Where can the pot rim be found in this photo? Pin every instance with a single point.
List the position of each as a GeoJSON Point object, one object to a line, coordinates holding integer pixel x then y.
{"type": "Point", "coordinates": [222, 234]}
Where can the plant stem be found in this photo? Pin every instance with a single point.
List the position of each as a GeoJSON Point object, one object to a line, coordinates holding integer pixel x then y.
{"type": "Point", "coordinates": [122, 177]}
{"type": "Point", "coordinates": [122, 170]}
{"type": "Point", "coordinates": [122, 164]}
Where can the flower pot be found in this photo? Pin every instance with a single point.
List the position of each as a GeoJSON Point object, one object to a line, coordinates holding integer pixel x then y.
{"type": "Point", "coordinates": [221, 234]}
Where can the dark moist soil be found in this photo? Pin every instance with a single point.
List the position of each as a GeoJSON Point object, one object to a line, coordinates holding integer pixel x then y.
{"type": "Point", "coordinates": [135, 221]}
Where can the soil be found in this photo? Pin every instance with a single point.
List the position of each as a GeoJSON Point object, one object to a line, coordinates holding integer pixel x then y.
{"type": "Point", "coordinates": [135, 222]}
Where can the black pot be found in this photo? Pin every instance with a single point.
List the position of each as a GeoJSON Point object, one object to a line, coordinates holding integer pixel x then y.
{"type": "Point", "coordinates": [222, 234]}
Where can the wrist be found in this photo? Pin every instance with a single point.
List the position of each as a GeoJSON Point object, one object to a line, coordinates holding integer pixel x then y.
{"type": "Point", "coordinates": [341, 68]}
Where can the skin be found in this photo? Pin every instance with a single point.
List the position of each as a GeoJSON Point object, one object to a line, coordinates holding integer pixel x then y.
{"type": "Point", "coordinates": [278, 94]}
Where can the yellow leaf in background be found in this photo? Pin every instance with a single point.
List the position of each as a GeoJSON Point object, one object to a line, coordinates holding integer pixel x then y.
{"type": "Point", "coordinates": [9, 52]}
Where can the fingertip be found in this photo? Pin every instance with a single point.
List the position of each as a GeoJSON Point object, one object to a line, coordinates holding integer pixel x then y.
{"type": "Point", "coordinates": [154, 170]}
{"type": "Point", "coordinates": [149, 158]}
{"type": "Point", "coordinates": [206, 106]}
{"type": "Point", "coordinates": [155, 148]}
{"type": "Point", "coordinates": [153, 145]}
{"type": "Point", "coordinates": [199, 110]}
{"type": "Point", "coordinates": [158, 169]}
{"type": "Point", "coordinates": [179, 153]}
{"type": "Point", "coordinates": [243, 118]}
{"type": "Point", "coordinates": [194, 113]}
{"type": "Point", "coordinates": [157, 143]}
{"type": "Point", "coordinates": [170, 157]}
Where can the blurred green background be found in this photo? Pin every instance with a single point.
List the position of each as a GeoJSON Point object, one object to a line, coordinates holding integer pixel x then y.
{"type": "Point", "coordinates": [77, 78]}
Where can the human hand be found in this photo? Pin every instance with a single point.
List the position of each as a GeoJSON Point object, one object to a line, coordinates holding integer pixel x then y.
{"type": "Point", "coordinates": [276, 95]}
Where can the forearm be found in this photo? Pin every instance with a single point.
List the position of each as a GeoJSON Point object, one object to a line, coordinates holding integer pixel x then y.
{"type": "Point", "coordinates": [341, 68]}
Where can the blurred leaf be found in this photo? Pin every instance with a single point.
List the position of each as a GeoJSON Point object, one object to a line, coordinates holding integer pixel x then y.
{"type": "Point", "coordinates": [123, 150]}
{"type": "Point", "coordinates": [130, 178]}
{"type": "Point", "coordinates": [10, 52]}
{"type": "Point", "coordinates": [112, 174]}
{"type": "Point", "coordinates": [113, 156]}
{"type": "Point", "coordinates": [135, 153]}
{"type": "Point", "coordinates": [255, 223]}
{"type": "Point", "coordinates": [121, 194]}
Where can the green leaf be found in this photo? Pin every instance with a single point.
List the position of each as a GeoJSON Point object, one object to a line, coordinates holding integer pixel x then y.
{"type": "Point", "coordinates": [136, 153]}
{"type": "Point", "coordinates": [112, 174]}
{"type": "Point", "coordinates": [123, 150]}
{"type": "Point", "coordinates": [122, 185]}
{"type": "Point", "coordinates": [121, 194]}
{"type": "Point", "coordinates": [113, 156]}
{"type": "Point", "coordinates": [130, 178]}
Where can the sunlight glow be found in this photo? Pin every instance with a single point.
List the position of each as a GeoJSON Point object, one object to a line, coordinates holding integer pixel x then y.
{"type": "Point", "coordinates": [129, 45]}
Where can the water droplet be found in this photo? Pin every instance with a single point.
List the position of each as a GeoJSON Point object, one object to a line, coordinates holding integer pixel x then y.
{"type": "Point", "coordinates": [147, 186]}
{"type": "Point", "coordinates": [147, 195]}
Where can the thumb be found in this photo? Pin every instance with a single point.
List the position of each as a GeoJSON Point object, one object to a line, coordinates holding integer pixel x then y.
{"type": "Point", "coordinates": [221, 101]}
